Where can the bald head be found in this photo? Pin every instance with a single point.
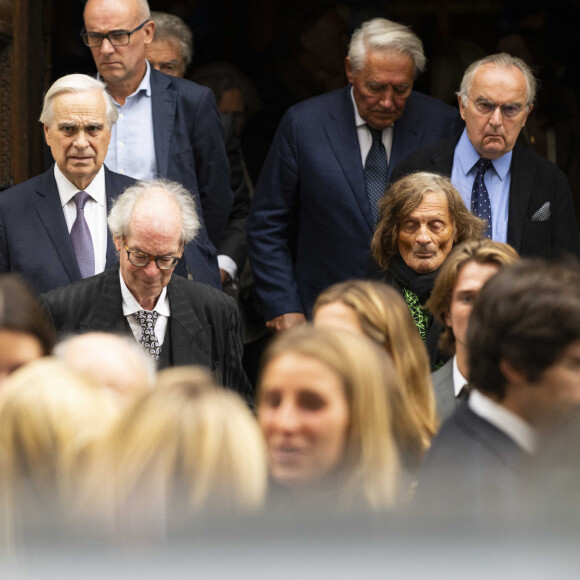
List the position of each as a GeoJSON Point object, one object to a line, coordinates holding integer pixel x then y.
{"type": "Point", "coordinates": [117, 363]}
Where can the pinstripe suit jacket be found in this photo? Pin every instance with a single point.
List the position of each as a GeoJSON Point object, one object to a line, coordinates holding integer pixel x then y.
{"type": "Point", "coordinates": [205, 324]}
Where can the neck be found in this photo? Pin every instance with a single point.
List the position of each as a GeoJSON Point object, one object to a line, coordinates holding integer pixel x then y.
{"type": "Point", "coordinates": [461, 357]}
{"type": "Point", "coordinates": [122, 89]}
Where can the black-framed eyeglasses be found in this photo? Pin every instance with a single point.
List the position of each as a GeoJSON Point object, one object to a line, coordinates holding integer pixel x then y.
{"type": "Point", "coordinates": [115, 37]}
{"type": "Point", "coordinates": [141, 259]}
{"type": "Point", "coordinates": [508, 111]}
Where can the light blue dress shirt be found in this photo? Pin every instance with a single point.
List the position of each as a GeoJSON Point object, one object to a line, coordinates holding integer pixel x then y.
{"type": "Point", "coordinates": [497, 181]}
{"type": "Point", "coordinates": [132, 148]}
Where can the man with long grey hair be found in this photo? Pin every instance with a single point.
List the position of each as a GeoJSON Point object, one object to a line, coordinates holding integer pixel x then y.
{"type": "Point", "coordinates": [177, 321]}
{"type": "Point", "coordinates": [53, 227]}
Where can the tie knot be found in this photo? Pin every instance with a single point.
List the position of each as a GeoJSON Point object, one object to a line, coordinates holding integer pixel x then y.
{"type": "Point", "coordinates": [80, 199]}
{"type": "Point", "coordinates": [146, 318]}
{"type": "Point", "coordinates": [483, 164]}
{"type": "Point", "coordinates": [376, 134]}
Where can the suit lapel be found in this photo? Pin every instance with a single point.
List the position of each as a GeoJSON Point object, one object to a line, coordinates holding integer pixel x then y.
{"type": "Point", "coordinates": [407, 134]}
{"type": "Point", "coordinates": [522, 170]}
{"type": "Point", "coordinates": [108, 308]}
{"type": "Point", "coordinates": [112, 257]}
{"type": "Point", "coordinates": [341, 131]}
{"type": "Point", "coordinates": [163, 105]}
{"type": "Point", "coordinates": [190, 339]}
{"type": "Point", "coordinates": [49, 208]}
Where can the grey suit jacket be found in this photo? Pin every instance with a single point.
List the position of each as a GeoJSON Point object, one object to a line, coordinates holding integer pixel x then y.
{"type": "Point", "coordinates": [205, 324]}
{"type": "Point", "coordinates": [444, 391]}
{"type": "Point", "coordinates": [471, 467]}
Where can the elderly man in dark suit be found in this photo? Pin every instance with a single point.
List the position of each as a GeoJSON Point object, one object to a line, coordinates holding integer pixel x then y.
{"type": "Point", "coordinates": [525, 199]}
{"type": "Point", "coordinates": [179, 322]}
{"type": "Point", "coordinates": [168, 127]}
{"type": "Point", "coordinates": [523, 344]}
{"type": "Point", "coordinates": [43, 219]}
{"type": "Point", "coordinates": [315, 206]}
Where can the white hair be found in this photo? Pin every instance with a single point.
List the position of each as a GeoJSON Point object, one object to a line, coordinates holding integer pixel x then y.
{"type": "Point", "coordinates": [501, 60]}
{"type": "Point", "coordinates": [120, 214]}
{"type": "Point", "coordinates": [381, 34]}
{"type": "Point", "coordinates": [77, 84]}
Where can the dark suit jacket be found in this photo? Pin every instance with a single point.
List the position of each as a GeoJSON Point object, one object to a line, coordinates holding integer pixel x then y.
{"type": "Point", "coordinates": [189, 147]}
{"type": "Point", "coordinates": [34, 238]}
{"type": "Point", "coordinates": [205, 324]}
{"type": "Point", "coordinates": [311, 224]}
{"type": "Point", "coordinates": [471, 466]}
{"type": "Point", "coordinates": [233, 241]}
{"type": "Point", "coordinates": [444, 389]}
{"type": "Point", "coordinates": [534, 182]}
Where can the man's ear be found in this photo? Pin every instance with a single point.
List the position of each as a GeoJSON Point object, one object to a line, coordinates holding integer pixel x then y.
{"type": "Point", "coordinates": [46, 137]}
{"type": "Point", "coordinates": [461, 107]}
{"type": "Point", "coordinates": [512, 374]}
{"type": "Point", "coordinates": [348, 68]}
{"type": "Point", "coordinates": [118, 243]}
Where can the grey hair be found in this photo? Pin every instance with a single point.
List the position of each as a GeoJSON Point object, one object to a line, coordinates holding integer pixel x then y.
{"type": "Point", "coordinates": [77, 84]}
{"type": "Point", "coordinates": [120, 214]}
{"type": "Point", "coordinates": [501, 60]}
{"type": "Point", "coordinates": [167, 27]}
{"type": "Point", "coordinates": [383, 35]}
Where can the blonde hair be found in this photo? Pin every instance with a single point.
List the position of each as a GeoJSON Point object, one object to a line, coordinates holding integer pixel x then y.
{"type": "Point", "coordinates": [385, 318]}
{"type": "Point", "coordinates": [370, 461]}
{"type": "Point", "coordinates": [51, 416]}
{"type": "Point", "coordinates": [194, 437]}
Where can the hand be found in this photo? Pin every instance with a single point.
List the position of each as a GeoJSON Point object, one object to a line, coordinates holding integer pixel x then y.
{"type": "Point", "coordinates": [286, 321]}
{"type": "Point", "coordinates": [226, 278]}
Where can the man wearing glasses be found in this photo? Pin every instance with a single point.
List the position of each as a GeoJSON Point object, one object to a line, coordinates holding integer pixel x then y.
{"type": "Point", "coordinates": [167, 127]}
{"type": "Point", "coordinates": [525, 199]}
{"type": "Point", "coordinates": [177, 321]}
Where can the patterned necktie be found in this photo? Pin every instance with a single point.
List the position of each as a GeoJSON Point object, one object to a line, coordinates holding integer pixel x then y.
{"type": "Point", "coordinates": [82, 240]}
{"type": "Point", "coordinates": [376, 168]}
{"type": "Point", "coordinates": [480, 204]}
{"type": "Point", "coordinates": [148, 338]}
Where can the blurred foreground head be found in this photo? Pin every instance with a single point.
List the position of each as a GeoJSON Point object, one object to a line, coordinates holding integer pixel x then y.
{"type": "Point", "coordinates": [117, 363]}
{"type": "Point", "coordinates": [380, 313]}
{"type": "Point", "coordinates": [187, 447]}
{"type": "Point", "coordinates": [25, 333]}
{"type": "Point", "coordinates": [325, 414]}
{"type": "Point", "coordinates": [523, 340]}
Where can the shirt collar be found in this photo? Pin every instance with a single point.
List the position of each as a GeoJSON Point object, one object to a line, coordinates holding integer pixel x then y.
{"type": "Point", "coordinates": [67, 190]}
{"type": "Point", "coordinates": [130, 304]}
{"type": "Point", "coordinates": [509, 423]}
{"type": "Point", "coordinates": [144, 85]}
{"type": "Point", "coordinates": [459, 381]}
{"type": "Point", "coordinates": [468, 157]}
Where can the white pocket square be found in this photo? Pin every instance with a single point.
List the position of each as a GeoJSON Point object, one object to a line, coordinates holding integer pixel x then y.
{"type": "Point", "coordinates": [543, 214]}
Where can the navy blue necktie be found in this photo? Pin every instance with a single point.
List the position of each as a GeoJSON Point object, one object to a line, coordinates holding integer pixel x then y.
{"type": "Point", "coordinates": [480, 204]}
{"type": "Point", "coordinates": [149, 342]}
{"type": "Point", "coordinates": [376, 168]}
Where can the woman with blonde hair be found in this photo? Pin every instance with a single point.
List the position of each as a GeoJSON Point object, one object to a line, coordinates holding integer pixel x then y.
{"type": "Point", "coordinates": [325, 415]}
{"type": "Point", "coordinates": [187, 447]}
{"type": "Point", "coordinates": [51, 417]}
{"type": "Point", "coordinates": [379, 312]}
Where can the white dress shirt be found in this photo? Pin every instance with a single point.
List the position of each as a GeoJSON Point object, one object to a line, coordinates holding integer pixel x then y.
{"type": "Point", "coordinates": [95, 211]}
{"type": "Point", "coordinates": [459, 381]}
{"type": "Point", "coordinates": [130, 306]}
{"type": "Point", "coordinates": [365, 139]}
